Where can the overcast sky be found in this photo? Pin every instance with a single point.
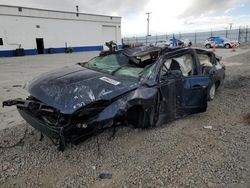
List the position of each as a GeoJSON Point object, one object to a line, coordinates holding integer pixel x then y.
{"type": "Point", "coordinates": [167, 15]}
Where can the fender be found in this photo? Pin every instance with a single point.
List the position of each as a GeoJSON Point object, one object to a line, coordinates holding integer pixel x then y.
{"type": "Point", "coordinates": [143, 97]}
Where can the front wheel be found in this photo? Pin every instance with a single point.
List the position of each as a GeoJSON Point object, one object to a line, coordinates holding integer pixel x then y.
{"type": "Point", "coordinates": [208, 45]}
{"type": "Point", "coordinates": [211, 93]}
{"type": "Point", "coordinates": [227, 46]}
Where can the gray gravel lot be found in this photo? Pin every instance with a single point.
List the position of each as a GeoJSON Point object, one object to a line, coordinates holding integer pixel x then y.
{"type": "Point", "coordinates": [179, 154]}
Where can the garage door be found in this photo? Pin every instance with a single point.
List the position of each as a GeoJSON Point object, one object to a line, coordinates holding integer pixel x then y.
{"type": "Point", "coordinates": [108, 33]}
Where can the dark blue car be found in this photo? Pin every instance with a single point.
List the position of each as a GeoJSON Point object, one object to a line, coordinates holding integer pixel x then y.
{"type": "Point", "coordinates": [143, 87]}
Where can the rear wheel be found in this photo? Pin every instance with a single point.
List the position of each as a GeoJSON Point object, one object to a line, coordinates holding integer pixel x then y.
{"type": "Point", "coordinates": [227, 45]}
{"type": "Point", "coordinates": [211, 93]}
{"type": "Point", "coordinates": [208, 45]}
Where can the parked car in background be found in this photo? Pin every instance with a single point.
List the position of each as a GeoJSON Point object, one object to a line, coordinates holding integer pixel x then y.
{"type": "Point", "coordinates": [220, 42]}
{"type": "Point", "coordinates": [177, 42]}
{"type": "Point", "coordinates": [187, 42]}
{"type": "Point", "coordinates": [161, 44]}
{"type": "Point", "coordinates": [142, 86]}
{"type": "Point", "coordinates": [169, 43]}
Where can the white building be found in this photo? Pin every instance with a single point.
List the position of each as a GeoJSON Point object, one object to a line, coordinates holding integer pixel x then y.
{"type": "Point", "coordinates": [39, 31]}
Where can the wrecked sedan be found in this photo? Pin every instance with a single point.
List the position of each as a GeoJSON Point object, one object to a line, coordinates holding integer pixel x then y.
{"type": "Point", "coordinates": [143, 87]}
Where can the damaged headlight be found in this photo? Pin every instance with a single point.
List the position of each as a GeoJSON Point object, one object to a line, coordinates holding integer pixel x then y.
{"type": "Point", "coordinates": [87, 115]}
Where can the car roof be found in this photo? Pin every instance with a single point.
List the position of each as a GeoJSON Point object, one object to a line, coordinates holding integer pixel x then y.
{"type": "Point", "coordinates": [140, 51]}
{"type": "Point", "coordinates": [174, 51]}
{"type": "Point", "coordinates": [171, 51]}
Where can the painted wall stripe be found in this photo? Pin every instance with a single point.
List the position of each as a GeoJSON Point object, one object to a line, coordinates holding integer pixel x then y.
{"type": "Point", "coordinates": [11, 53]}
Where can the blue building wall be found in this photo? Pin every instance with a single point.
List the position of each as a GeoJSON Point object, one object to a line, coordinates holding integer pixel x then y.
{"type": "Point", "coordinates": [11, 53]}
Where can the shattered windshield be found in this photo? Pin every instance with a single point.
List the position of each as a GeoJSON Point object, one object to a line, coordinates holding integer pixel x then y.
{"type": "Point", "coordinates": [115, 64]}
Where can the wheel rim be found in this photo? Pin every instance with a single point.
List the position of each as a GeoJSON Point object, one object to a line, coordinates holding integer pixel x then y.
{"type": "Point", "coordinates": [212, 91]}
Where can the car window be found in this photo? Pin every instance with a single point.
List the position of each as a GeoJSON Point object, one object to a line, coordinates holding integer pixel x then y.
{"type": "Point", "coordinates": [183, 63]}
{"type": "Point", "coordinates": [117, 64]}
{"type": "Point", "coordinates": [108, 63]}
{"type": "Point", "coordinates": [211, 39]}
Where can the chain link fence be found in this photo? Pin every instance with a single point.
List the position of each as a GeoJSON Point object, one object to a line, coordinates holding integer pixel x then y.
{"type": "Point", "coordinates": [241, 34]}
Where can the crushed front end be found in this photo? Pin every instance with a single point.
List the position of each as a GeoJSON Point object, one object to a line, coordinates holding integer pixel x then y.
{"type": "Point", "coordinates": [61, 128]}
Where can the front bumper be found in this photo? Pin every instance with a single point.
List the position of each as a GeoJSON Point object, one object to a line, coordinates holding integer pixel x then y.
{"type": "Point", "coordinates": [28, 108]}
{"type": "Point", "coordinates": [52, 132]}
{"type": "Point", "coordinates": [67, 131]}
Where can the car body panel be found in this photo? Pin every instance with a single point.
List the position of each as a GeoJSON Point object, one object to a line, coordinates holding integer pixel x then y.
{"type": "Point", "coordinates": [74, 87]}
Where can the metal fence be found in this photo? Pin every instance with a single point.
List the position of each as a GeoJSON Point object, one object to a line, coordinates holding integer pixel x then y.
{"type": "Point", "coordinates": [241, 34]}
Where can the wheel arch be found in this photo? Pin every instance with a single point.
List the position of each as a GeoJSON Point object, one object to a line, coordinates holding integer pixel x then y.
{"type": "Point", "coordinates": [228, 45]}
{"type": "Point", "coordinates": [217, 83]}
{"type": "Point", "coordinates": [138, 116]}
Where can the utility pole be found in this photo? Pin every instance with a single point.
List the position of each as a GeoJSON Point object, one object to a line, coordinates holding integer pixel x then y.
{"type": "Point", "coordinates": [247, 33]}
{"type": "Point", "coordinates": [230, 25]}
{"type": "Point", "coordinates": [148, 13]}
{"type": "Point", "coordinates": [77, 10]}
{"type": "Point", "coordinates": [239, 35]}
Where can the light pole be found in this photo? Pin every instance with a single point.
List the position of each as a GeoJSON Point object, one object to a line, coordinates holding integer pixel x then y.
{"type": "Point", "coordinates": [230, 25]}
{"type": "Point", "coordinates": [77, 10]}
{"type": "Point", "coordinates": [148, 13]}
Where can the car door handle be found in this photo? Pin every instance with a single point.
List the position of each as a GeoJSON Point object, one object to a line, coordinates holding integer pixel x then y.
{"type": "Point", "coordinates": [199, 86]}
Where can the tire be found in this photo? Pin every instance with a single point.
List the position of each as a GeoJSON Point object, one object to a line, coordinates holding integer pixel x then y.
{"type": "Point", "coordinates": [208, 46]}
{"type": "Point", "coordinates": [211, 92]}
{"type": "Point", "coordinates": [227, 46]}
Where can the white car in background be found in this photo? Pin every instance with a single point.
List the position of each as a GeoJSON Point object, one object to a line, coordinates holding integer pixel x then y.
{"type": "Point", "coordinates": [220, 42]}
{"type": "Point", "coordinates": [178, 42]}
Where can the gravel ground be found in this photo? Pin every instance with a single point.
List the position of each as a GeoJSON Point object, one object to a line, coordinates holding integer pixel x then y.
{"type": "Point", "coordinates": [183, 153]}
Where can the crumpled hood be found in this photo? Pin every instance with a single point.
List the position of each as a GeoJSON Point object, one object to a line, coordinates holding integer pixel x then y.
{"type": "Point", "coordinates": [73, 87]}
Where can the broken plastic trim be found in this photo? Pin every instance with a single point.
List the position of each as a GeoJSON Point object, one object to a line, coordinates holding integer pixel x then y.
{"type": "Point", "coordinates": [29, 104]}
{"type": "Point", "coordinates": [55, 125]}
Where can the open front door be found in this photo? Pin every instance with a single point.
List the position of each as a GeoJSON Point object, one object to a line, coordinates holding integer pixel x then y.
{"type": "Point", "coordinates": [190, 86]}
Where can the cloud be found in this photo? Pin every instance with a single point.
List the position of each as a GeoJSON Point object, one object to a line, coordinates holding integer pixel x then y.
{"type": "Point", "coordinates": [167, 15]}
{"type": "Point", "coordinates": [199, 8]}
{"type": "Point", "coordinates": [229, 10]}
{"type": "Point", "coordinates": [128, 7]}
